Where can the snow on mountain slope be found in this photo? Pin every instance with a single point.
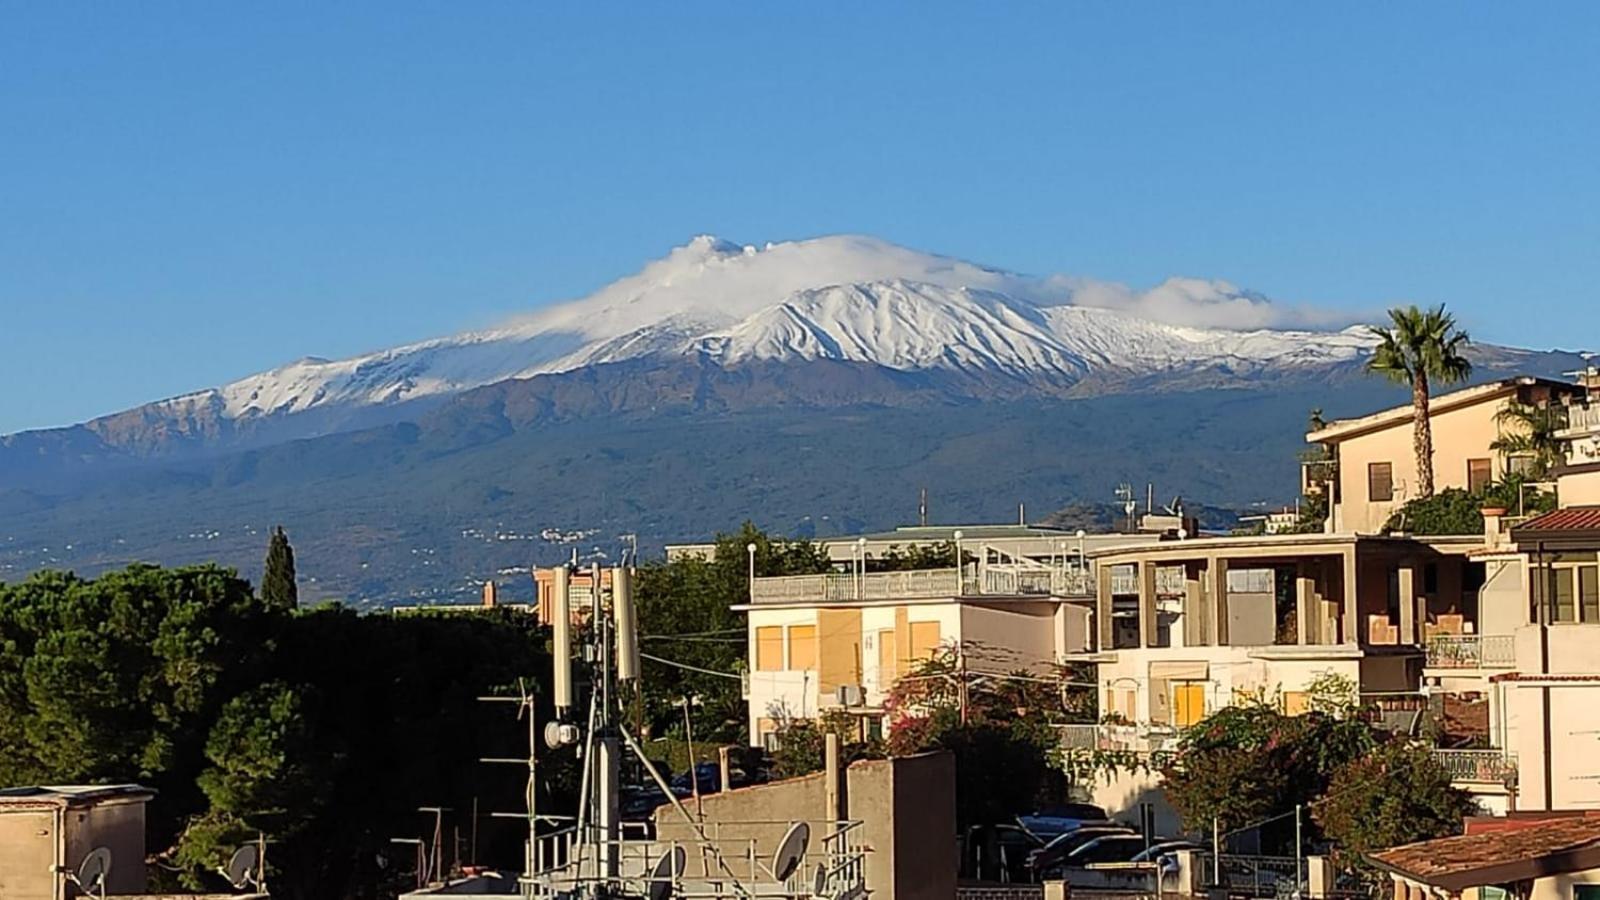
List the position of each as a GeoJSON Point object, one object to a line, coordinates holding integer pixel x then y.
{"type": "Point", "coordinates": [844, 297]}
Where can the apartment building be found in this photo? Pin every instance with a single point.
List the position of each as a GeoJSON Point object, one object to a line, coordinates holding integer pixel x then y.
{"type": "Point", "coordinates": [1373, 471]}
{"type": "Point", "coordinates": [841, 640]}
{"type": "Point", "coordinates": [1182, 628]}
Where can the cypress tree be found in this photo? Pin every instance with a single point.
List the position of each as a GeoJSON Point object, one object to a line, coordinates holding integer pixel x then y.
{"type": "Point", "coordinates": [277, 582]}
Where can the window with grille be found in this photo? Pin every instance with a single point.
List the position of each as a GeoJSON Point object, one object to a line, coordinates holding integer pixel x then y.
{"type": "Point", "coordinates": [1380, 482]}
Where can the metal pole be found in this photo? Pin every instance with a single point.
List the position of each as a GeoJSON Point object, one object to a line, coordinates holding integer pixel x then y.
{"type": "Point", "coordinates": [750, 548]}
{"type": "Point", "coordinates": [1299, 849]}
{"type": "Point", "coordinates": [1216, 852]}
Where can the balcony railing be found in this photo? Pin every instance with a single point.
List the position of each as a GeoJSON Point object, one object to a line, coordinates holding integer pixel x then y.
{"type": "Point", "coordinates": [922, 584]}
{"type": "Point", "coordinates": [1132, 738]}
{"type": "Point", "coordinates": [1583, 416]}
{"type": "Point", "coordinates": [1480, 766]}
{"type": "Point", "coordinates": [1472, 651]}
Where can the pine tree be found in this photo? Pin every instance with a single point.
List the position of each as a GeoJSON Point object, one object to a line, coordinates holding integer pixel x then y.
{"type": "Point", "coordinates": [277, 582]}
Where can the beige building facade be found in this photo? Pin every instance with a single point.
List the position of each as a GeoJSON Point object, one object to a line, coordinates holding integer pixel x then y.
{"type": "Point", "coordinates": [1374, 468]}
{"type": "Point", "coordinates": [45, 831]}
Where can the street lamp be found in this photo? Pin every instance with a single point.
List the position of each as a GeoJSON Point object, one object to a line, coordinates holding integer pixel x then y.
{"type": "Point", "coordinates": [750, 548]}
{"type": "Point", "coordinates": [861, 561]}
{"type": "Point", "coordinates": [961, 574]}
{"type": "Point", "coordinates": [1083, 563]}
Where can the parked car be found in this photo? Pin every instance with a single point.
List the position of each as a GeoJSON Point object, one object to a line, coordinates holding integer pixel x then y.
{"type": "Point", "coordinates": [1052, 821]}
{"type": "Point", "coordinates": [707, 774]}
{"type": "Point", "coordinates": [1164, 850]}
{"type": "Point", "coordinates": [997, 852]}
{"type": "Point", "coordinates": [1110, 848]}
{"type": "Point", "coordinates": [1051, 855]}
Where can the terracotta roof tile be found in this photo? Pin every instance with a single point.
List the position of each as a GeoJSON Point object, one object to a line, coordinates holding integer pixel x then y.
{"type": "Point", "coordinates": [1449, 862]}
{"type": "Point", "coordinates": [1572, 518]}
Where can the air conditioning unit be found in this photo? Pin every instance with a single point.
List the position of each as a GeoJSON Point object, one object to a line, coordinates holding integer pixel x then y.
{"type": "Point", "coordinates": [850, 695]}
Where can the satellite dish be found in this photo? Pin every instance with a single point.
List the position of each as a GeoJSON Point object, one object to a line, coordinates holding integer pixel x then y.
{"type": "Point", "coordinates": [819, 885]}
{"type": "Point", "coordinates": [791, 850]}
{"type": "Point", "coordinates": [668, 869]}
{"type": "Point", "coordinates": [241, 868]}
{"type": "Point", "coordinates": [94, 869]}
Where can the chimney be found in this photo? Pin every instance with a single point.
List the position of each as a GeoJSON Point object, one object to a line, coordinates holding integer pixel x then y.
{"type": "Point", "coordinates": [1493, 535]}
{"type": "Point", "coordinates": [489, 594]}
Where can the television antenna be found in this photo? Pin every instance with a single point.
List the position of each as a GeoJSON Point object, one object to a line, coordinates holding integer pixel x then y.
{"type": "Point", "coordinates": [1130, 504]}
{"type": "Point", "coordinates": [92, 873]}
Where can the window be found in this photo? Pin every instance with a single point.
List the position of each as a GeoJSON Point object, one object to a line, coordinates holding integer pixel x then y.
{"type": "Point", "coordinates": [924, 639]}
{"type": "Point", "coordinates": [886, 657]}
{"type": "Point", "coordinates": [1479, 474]}
{"type": "Point", "coordinates": [769, 648]}
{"type": "Point", "coordinates": [1589, 593]}
{"type": "Point", "coordinates": [1579, 892]}
{"type": "Point", "coordinates": [1380, 482]}
{"type": "Point", "coordinates": [1563, 594]}
{"type": "Point", "coordinates": [1188, 703]}
{"type": "Point", "coordinates": [802, 647]}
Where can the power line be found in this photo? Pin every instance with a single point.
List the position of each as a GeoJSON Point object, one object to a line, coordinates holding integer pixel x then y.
{"type": "Point", "coordinates": [679, 665]}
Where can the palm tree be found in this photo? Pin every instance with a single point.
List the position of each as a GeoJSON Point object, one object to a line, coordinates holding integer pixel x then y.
{"type": "Point", "coordinates": [1532, 433]}
{"type": "Point", "coordinates": [1421, 345]}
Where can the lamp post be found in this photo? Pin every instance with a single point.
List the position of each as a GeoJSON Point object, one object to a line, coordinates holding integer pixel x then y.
{"type": "Point", "coordinates": [860, 564]}
{"type": "Point", "coordinates": [961, 569]}
{"type": "Point", "coordinates": [750, 549]}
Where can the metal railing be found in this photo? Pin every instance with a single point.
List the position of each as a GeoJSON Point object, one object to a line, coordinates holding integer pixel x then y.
{"type": "Point", "coordinates": [1129, 738]}
{"type": "Point", "coordinates": [1005, 581]}
{"type": "Point", "coordinates": [1472, 651]}
{"type": "Point", "coordinates": [1251, 876]}
{"type": "Point", "coordinates": [1586, 416]}
{"type": "Point", "coordinates": [1481, 766]}
{"type": "Point", "coordinates": [563, 863]}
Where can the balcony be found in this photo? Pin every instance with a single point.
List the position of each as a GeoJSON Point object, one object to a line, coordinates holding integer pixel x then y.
{"type": "Point", "coordinates": [1583, 418]}
{"type": "Point", "coordinates": [922, 584]}
{"type": "Point", "coordinates": [1478, 766]}
{"type": "Point", "coordinates": [1126, 738]}
{"type": "Point", "coordinates": [1471, 651]}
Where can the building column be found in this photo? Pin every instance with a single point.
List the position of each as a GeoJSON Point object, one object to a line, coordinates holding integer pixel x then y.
{"type": "Point", "coordinates": [1218, 571]}
{"type": "Point", "coordinates": [1304, 597]}
{"type": "Point", "coordinates": [1408, 633]}
{"type": "Point", "coordinates": [1196, 617]}
{"type": "Point", "coordinates": [1352, 611]}
{"type": "Point", "coordinates": [1147, 604]}
{"type": "Point", "coordinates": [1102, 608]}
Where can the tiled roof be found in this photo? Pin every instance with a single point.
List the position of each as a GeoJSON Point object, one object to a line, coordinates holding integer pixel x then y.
{"type": "Point", "coordinates": [1572, 518]}
{"type": "Point", "coordinates": [1453, 863]}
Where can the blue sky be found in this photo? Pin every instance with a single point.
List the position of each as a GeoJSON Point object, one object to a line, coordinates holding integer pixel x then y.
{"type": "Point", "coordinates": [193, 192]}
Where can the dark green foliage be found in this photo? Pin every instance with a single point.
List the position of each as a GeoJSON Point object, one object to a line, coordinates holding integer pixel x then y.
{"type": "Point", "coordinates": [1007, 750]}
{"type": "Point", "coordinates": [686, 615]}
{"type": "Point", "coordinates": [802, 744]}
{"type": "Point", "coordinates": [278, 587]}
{"type": "Point", "coordinates": [1248, 762]}
{"type": "Point", "coordinates": [1456, 511]}
{"type": "Point", "coordinates": [917, 556]}
{"type": "Point", "coordinates": [1394, 795]}
{"type": "Point", "coordinates": [324, 729]}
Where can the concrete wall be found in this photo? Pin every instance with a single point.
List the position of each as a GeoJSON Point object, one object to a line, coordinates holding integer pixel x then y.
{"type": "Point", "coordinates": [906, 807]}
{"type": "Point", "coordinates": [1581, 489]}
{"type": "Point", "coordinates": [1458, 435]}
{"type": "Point", "coordinates": [1574, 740]}
{"type": "Point", "coordinates": [1003, 639]}
{"type": "Point", "coordinates": [1559, 887]}
{"type": "Point", "coordinates": [27, 853]}
{"type": "Point", "coordinates": [1120, 792]}
{"type": "Point", "coordinates": [1503, 599]}
{"type": "Point", "coordinates": [117, 825]}
{"type": "Point", "coordinates": [1232, 671]}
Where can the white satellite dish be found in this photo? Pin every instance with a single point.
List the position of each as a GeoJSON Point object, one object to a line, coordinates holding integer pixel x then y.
{"type": "Point", "coordinates": [241, 868]}
{"type": "Point", "coordinates": [93, 871]}
{"type": "Point", "coordinates": [819, 885]}
{"type": "Point", "coordinates": [668, 869]}
{"type": "Point", "coordinates": [791, 850]}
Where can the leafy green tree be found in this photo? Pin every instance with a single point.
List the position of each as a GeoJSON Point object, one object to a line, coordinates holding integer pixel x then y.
{"type": "Point", "coordinates": [1421, 346]}
{"type": "Point", "coordinates": [278, 586]}
{"type": "Point", "coordinates": [1001, 728]}
{"type": "Point", "coordinates": [1248, 763]}
{"type": "Point", "coordinates": [686, 615]}
{"type": "Point", "coordinates": [941, 555]}
{"type": "Point", "coordinates": [802, 743]}
{"type": "Point", "coordinates": [1395, 794]}
{"type": "Point", "coordinates": [1528, 429]}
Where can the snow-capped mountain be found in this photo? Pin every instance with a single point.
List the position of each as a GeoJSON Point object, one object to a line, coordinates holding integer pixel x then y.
{"type": "Point", "coordinates": [850, 298]}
